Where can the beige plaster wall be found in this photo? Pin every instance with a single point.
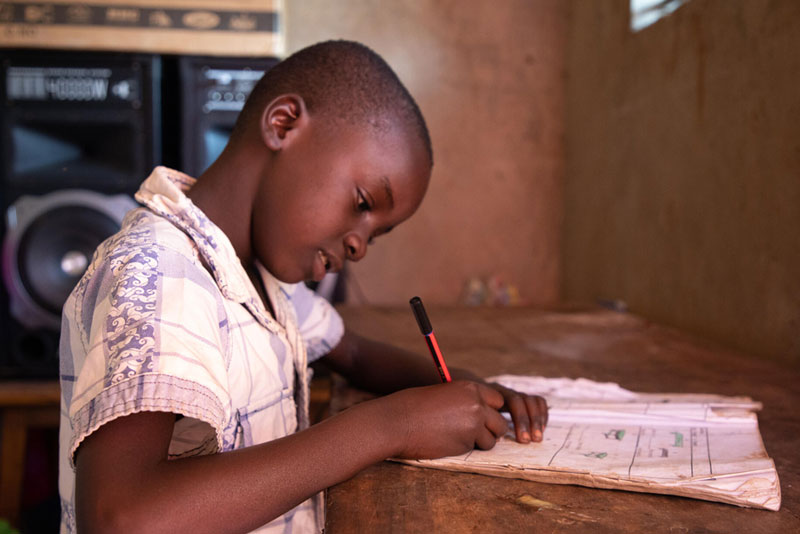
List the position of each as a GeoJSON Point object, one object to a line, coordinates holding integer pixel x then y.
{"type": "Point", "coordinates": [488, 76]}
{"type": "Point", "coordinates": [682, 191]}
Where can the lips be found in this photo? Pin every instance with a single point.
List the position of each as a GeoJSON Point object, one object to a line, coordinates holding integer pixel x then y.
{"type": "Point", "coordinates": [323, 264]}
{"type": "Point", "coordinates": [325, 260]}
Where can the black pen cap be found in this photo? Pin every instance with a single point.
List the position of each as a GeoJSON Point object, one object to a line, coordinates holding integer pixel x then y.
{"type": "Point", "coordinates": [422, 317]}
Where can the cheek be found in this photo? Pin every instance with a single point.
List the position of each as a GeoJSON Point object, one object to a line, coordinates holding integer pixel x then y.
{"type": "Point", "coordinates": [281, 238]}
{"type": "Point", "coordinates": [318, 218]}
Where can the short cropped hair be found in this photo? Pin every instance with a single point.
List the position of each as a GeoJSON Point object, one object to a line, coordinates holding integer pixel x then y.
{"type": "Point", "coordinates": [342, 81]}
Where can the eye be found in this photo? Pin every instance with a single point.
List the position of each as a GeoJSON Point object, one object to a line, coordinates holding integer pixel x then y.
{"type": "Point", "coordinates": [362, 204]}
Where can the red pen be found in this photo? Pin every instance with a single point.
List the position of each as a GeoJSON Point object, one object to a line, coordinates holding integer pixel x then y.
{"type": "Point", "coordinates": [427, 331]}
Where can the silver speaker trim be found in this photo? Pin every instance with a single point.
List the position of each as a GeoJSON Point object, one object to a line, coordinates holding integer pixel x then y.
{"type": "Point", "coordinates": [19, 216]}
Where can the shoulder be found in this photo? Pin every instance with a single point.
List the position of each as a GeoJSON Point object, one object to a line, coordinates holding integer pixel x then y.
{"type": "Point", "coordinates": [143, 229]}
{"type": "Point", "coordinates": [135, 262]}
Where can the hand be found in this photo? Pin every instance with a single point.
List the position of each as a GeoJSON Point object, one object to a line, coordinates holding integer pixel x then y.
{"type": "Point", "coordinates": [527, 412]}
{"type": "Point", "coordinates": [446, 419]}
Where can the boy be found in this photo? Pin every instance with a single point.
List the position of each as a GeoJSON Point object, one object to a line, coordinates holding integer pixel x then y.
{"type": "Point", "coordinates": [185, 346]}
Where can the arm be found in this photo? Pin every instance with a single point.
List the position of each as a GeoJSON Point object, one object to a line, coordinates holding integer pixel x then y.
{"type": "Point", "coordinates": [124, 482]}
{"type": "Point", "coordinates": [382, 368]}
{"type": "Point", "coordinates": [379, 367]}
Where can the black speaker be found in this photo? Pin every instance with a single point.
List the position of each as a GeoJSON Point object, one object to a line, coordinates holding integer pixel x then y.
{"type": "Point", "coordinates": [213, 91]}
{"type": "Point", "coordinates": [79, 131]}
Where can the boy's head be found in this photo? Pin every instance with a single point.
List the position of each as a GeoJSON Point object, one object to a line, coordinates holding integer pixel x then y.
{"type": "Point", "coordinates": [348, 158]}
{"type": "Point", "coordinates": [341, 82]}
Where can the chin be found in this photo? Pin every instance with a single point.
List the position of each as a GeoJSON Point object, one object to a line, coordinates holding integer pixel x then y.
{"type": "Point", "coordinates": [287, 276]}
{"type": "Point", "coordinates": [290, 279]}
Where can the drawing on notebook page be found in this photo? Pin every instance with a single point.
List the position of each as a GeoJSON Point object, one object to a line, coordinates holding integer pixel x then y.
{"type": "Point", "coordinates": [600, 435]}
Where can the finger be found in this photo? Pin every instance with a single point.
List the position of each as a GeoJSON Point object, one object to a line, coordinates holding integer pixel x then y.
{"type": "Point", "coordinates": [496, 423]}
{"type": "Point", "coordinates": [522, 421]}
{"type": "Point", "coordinates": [491, 397]}
{"type": "Point", "coordinates": [543, 408]}
{"type": "Point", "coordinates": [485, 439]}
{"type": "Point", "coordinates": [533, 410]}
{"type": "Point", "coordinates": [537, 409]}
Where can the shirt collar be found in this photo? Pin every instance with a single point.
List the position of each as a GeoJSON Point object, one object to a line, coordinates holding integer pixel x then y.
{"type": "Point", "coordinates": [164, 192]}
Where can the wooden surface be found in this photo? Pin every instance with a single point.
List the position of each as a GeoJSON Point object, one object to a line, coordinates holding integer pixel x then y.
{"type": "Point", "coordinates": [602, 346]}
{"type": "Point", "coordinates": [23, 405]}
{"type": "Point", "coordinates": [29, 393]}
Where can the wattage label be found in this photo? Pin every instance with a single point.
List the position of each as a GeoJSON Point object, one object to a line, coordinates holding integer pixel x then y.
{"type": "Point", "coordinates": [68, 84]}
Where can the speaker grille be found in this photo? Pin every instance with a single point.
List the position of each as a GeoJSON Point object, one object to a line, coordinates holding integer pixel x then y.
{"type": "Point", "coordinates": [49, 242]}
{"type": "Point", "coordinates": [56, 248]}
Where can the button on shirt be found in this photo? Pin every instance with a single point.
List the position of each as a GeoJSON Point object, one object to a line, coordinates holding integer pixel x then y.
{"type": "Point", "coordinates": [166, 319]}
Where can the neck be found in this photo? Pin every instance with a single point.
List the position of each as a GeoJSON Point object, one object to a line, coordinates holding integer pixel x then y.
{"type": "Point", "coordinates": [224, 192]}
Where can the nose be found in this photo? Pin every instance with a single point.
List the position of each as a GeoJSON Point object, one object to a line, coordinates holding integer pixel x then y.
{"type": "Point", "coordinates": [355, 246]}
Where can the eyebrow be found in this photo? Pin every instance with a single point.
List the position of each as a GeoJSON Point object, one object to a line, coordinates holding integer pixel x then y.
{"type": "Point", "coordinates": [387, 187]}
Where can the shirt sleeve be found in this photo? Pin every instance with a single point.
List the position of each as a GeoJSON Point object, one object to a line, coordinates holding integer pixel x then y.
{"type": "Point", "coordinates": [150, 340]}
{"type": "Point", "coordinates": [320, 325]}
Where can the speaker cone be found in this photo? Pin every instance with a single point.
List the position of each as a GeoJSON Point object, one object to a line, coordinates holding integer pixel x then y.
{"type": "Point", "coordinates": [48, 245]}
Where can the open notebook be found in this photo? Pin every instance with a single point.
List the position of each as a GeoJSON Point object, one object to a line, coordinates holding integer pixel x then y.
{"type": "Point", "coordinates": [601, 435]}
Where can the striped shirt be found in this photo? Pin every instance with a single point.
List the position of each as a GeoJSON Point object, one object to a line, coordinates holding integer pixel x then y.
{"type": "Point", "coordinates": [166, 319]}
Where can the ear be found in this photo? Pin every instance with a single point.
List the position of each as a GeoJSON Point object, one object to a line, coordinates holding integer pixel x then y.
{"type": "Point", "coordinates": [281, 116]}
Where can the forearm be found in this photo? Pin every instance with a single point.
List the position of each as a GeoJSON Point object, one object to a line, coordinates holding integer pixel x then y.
{"type": "Point", "coordinates": [240, 490]}
{"type": "Point", "coordinates": [382, 368]}
{"type": "Point", "coordinates": [378, 367]}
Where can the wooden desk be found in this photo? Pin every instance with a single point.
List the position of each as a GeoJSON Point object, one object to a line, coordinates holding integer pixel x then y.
{"type": "Point", "coordinates": [23, 405]}
{"type": "Point", "coordinates": [602, 346]}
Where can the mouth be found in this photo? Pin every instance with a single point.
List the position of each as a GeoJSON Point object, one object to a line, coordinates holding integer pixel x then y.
{"type": "Point", "coordinates": [326, 262]}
